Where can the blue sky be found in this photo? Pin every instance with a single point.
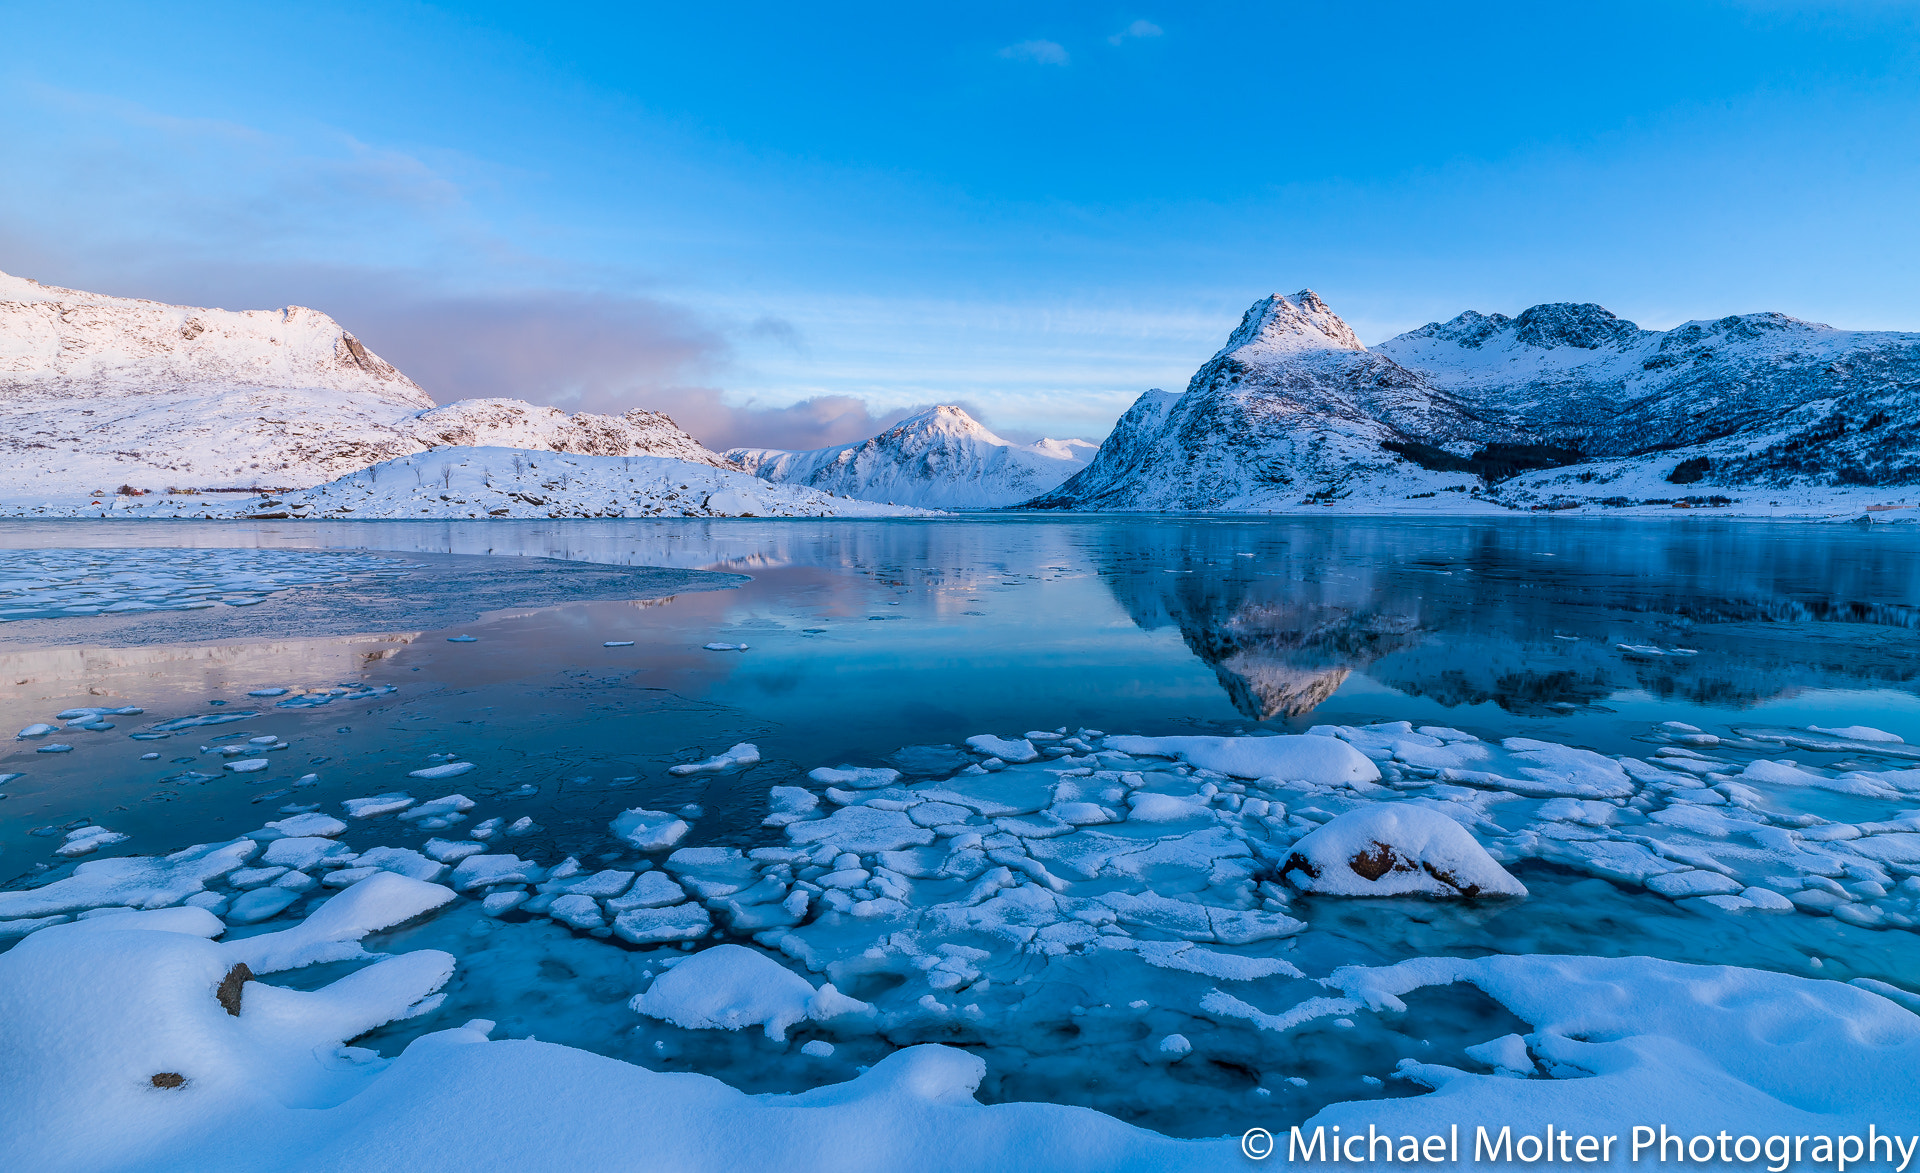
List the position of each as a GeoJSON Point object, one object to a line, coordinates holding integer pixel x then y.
{"type": "Point", "coordinates": [785, 224]}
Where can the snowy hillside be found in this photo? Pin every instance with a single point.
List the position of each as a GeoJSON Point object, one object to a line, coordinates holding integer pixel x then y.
{"type": "Point", "coordinates": [500, 483]}
{"type": "Point", "coordinates": [940, 459]}
{"type": "Point", "coordinates": [98, 391]}
{"type": "Point", "coordinates": [1564, 406]}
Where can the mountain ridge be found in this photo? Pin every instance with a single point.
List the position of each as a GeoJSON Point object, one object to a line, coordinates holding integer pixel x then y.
{"type": "Point", "coordinates": [1292, 414]}
{"type": "Point", "coordinates": [96, 391]}
{"type": "Point", "coordinates": [940, 458]}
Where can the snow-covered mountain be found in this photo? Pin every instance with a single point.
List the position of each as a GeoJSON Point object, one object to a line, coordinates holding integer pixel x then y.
{"type": "Point", "coordinates": [497, 482]}
{"type": "Point", "coordinates": [98, 391]}
{"type": "Point", "coordinates": [1563, 406]}
{"type": "Point", "coordinates": [941, 458]}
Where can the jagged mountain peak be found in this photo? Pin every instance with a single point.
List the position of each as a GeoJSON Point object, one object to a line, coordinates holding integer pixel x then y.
{"type": "Point", "coordinates": [1578, 324]}
{"type": "Point", "coordinates": [1279, 324]}
{"type": "Point", "coordinates": [1550, 325]}
{"type": "Point", "coordinates": [942, 419]}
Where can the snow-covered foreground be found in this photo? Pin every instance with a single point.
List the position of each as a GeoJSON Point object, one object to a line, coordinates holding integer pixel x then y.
{"type": "Point", "coordinates": [499, 483]}
{"type": "Point", "coordinates": [41, 584]}
{"type": "Point", "coordinates": [1162, 917]}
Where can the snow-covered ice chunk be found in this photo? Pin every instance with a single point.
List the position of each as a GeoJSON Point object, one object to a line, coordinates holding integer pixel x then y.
{"type": "Point", "coordinates": [309, 824]}
{"type": "Point", "coordinates": [862, 830]}
{"type": "Point", "coordinates": [401, 861]}
{"type": "Point", "coordinates": [333, 932]}
{"type": "Point", "coordinates": [35, 730]}
{"type": "Point", "coordinates": [444, 770]}
{"type": "Point", "coordinates": [305, 851]}
{"type": "Point", "coordinates": [1148, 807]}
{"type": "Point", "coordinates": [1858, 733]}
{"type": "Point", "coordinates": [1396, 849]}
{"type": "Point", "coordinates": [259, 904]}
{"type": "Point", "coordinates": [578, 912]}
{"type": "Point", "coordinates": [645, 926]}
{"type": "Point", "coordinates": [728, 987]}
{"type": "Point", "coordinates": [1327, 761]}
{"type": "Point", "coordinates": [451, 850]}
{"type": "Point", "coordinates": [480, 871]}
{"type": "Point", "coordinates": [1508, 1052]}
{"type": "Point", "coordinates": [249, 765]}
{"type": "Point", "coordinates": [501, 903]}
{"type": "Point", "coordinates": [719, 647]}
{"type": "Point", "coordinates": [379, 804]}
{"type": "Point", "coordinates": [131, 881]}
{"type": "Point", "coordinates": [617, 643]}
{"type": "Point", "coordinates": [1014, 752]}
{"type": "Point", "coordinates": [650, 830]}
{"type": "Point", "coordinates": [439, 808]}
{"type": "Point", "coordinates": [855, 777]}
{"type": "Point", "coordinates": [743, 754]}
{"type": "Point", "coordinates": [87, 840]}
{"type": "Point", "coordinates": [649, 890]}
{"type": "Point", "coordinates": [789, 804]}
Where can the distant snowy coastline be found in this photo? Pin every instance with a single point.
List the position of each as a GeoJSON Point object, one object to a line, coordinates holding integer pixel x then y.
{"type": "Point", "coordinates": [493, 483]}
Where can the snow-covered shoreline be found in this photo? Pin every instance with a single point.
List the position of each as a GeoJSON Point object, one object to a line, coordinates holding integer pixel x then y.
{"type": "Point", "coordinates": [1191, 885]}
{"type": "Point", "coordinates": [492, 483]}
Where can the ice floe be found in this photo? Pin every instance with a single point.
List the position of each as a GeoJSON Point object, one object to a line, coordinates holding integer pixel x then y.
{"type": "Point", "coordinates": [66, 583]}
{"type": "Point", "coordinates": [743, 754]}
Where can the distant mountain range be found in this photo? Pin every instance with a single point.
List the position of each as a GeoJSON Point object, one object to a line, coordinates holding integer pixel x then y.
{"type": "Point", "coordinates": [98, 391]}
{"type": "Point", "coordinates": [941, 458]}
{"type": "Point", "coordinates": [1563, 406]}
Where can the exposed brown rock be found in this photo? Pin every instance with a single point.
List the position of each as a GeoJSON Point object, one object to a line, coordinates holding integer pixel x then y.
{"type": "Point", "coordinates": [231, 988]}
{"type": "Point", "coordinates": [169, 1079]}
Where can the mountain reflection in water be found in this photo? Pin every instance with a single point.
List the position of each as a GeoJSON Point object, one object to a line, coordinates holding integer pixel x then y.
{"type": "Point", "coordinates": [1529, 619]}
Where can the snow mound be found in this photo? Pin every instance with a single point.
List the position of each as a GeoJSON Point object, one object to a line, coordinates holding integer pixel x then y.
{"type": "Point", "coordinates": [1396, 849]}
{"type": "Point", "coordinates": [729, 987]}
{"type": "Point", "coordinates": [131, 1046]}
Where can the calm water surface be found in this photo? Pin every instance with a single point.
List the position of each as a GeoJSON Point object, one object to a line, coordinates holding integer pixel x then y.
{"type": "Point", "coordinates": [865, 637]}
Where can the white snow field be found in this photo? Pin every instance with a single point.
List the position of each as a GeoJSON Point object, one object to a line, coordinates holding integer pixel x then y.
{"type": "Point", "coordinates": [501, 483]}
{"type": "Point", "coordinates": [941, 458]}
{"type": "Point", "coordinates": [1109, 908]}
{"type": "Point", "coordinates": [55, 583]}
{"type": "Point", "coordinates": [99, 391]}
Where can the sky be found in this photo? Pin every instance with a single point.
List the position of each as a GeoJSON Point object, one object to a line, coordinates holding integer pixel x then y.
{"type": "Point", "coordinates": [788, 225]}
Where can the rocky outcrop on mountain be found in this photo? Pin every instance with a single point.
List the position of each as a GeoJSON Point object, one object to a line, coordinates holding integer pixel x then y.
{"type": "Point", "coordinates": [941, 458]}
{"type": "Point", "coordinates": [1766, 398]}
{"type": "Point", "coordinates": [99, 391]}
{"type": "Point", "coordinates": [1564, 405]}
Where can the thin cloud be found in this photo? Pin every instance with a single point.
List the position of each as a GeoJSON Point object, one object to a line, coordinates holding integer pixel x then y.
{"type": "Point", "coordinates": [1138, 29]}
{"type": "Point", "coordinates": [1037, 52]}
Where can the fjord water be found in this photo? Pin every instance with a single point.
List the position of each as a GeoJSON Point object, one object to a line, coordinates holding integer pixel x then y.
{"type": "Point", "coordinates": [867, 637]}
{"type": "Point", "coordinates": [864, 637]}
